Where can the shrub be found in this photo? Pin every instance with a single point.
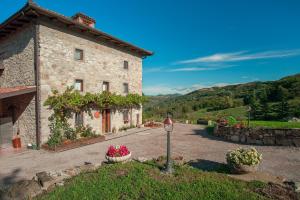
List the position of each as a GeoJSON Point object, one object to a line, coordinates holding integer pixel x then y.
{"type": "Point", "coordinates": [85, 131]}
{"type": "Point", "coordinates": [125, 128]}
{"type": "Point", "coordinates": [242, 156]}
{"type": "Point", "coordinates": [231, 121]}
{"type": "Point", "coordinates": [70, 133]}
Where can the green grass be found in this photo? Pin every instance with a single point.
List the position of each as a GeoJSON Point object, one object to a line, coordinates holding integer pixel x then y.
{"type": "Point", "coordinates": [144, 181]}
{"type": "Point", "coordinates": [275, 124]}
{"type": "Point", "coordinates": [237, 112]}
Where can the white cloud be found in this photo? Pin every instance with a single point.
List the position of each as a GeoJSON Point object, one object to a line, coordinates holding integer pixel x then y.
{"type": "Point", "coordinates": [188, 69]}
{"type": "Point", "coordinates": [164, 89]}
{"type": "Point", "coordinates": [241, 56]}
{"type": "Point", "coordinates": [152, 69]}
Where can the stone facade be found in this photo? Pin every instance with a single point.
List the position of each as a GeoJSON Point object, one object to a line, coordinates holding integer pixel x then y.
{"type": "Point", "coordinates": [101, 62]}
{"type": "Point", "coordinates": [17, 56]}
{"type": "Point", "coordinates": [260, 136]}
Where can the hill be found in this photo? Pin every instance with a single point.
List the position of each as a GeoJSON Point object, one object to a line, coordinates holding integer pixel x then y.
{"type": "Point", "coordinates": [270, 100]}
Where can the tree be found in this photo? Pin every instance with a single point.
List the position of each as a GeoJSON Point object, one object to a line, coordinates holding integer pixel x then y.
{"type": "Point", "coordinates": [282, 93]}
{"type": "Point", "coordinates": [282, 109]}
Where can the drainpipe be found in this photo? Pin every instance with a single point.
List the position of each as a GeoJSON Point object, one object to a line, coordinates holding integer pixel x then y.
{"type": "Point", "coordinates": [37, 82]}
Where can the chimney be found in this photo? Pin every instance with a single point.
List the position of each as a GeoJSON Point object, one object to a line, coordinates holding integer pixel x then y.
{"type": "Point", "coordinates": [84, 19]}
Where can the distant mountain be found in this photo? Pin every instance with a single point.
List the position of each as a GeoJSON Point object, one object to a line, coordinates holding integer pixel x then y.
{"type": "Point", "coordinates": [270, 93]}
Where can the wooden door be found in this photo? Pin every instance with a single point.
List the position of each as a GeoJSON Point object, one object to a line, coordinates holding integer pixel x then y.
{"type": "Point", "coordinates": [106, 121]}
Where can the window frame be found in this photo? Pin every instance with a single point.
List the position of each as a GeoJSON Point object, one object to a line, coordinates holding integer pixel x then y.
{"type": "Point", "coordinates": [126, 65]}
{"type": "Point", "coordinates": [79, 119]}
{"type": "Point", "coordinates": [126, 89]}
{"type": "Point", "coordinates": [81, 54]}
{"type": "Point", "coordinates": [81, 86]}
{"type": "Point", "coordinates": [126, 116]}
{"type": "Point", "coordinates": [107, 88]}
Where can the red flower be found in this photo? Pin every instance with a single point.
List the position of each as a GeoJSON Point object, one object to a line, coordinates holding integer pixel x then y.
{"type": "Point", "coordinates": [117, 151]}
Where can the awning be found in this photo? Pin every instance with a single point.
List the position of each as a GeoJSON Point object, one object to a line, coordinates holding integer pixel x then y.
{"type": "Point", "coordinates": [15, 91]}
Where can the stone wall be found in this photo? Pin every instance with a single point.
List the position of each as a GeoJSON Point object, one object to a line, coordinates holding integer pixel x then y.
{"type": "Point", "coordinates": [17, 54]}
{"type": "Point", "coordinates": [101, 63]}
{"type": "Point", "coordinates": [260, 136]}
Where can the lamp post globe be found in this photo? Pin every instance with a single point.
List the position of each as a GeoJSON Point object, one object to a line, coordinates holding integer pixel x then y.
{"type": "Point", "coordinates": [168, 126]}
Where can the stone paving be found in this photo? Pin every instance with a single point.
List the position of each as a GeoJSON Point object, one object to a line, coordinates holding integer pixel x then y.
{"type": "Point", "coordinates": [190, 141]}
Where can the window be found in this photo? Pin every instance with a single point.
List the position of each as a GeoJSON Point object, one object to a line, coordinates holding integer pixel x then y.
{"type": "Point", "coordinates": [125, 64]}
{"type": "Point", "coordinates": [125, 116]}
{"type": "Point", "coordinates": [78, 85]}
{"type": "Point", "coordinates": [105, 86]}
{"type": "Point", "coordinates": [79, 119]}
{"type": "Point", "coordinates": [125, 88]}
{"type": "Point", "coordinates": [78, 54]}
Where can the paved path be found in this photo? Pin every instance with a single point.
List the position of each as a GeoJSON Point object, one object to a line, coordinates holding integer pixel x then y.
{"type": "Point", "coordinates": [191, 141]}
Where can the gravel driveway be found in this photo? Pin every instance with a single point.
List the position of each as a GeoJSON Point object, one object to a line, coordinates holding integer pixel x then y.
{"type": "Point", "coordinates": [189, 141]}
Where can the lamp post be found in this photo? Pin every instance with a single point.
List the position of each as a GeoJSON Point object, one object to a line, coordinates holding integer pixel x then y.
{"type": "Point", "coordinates": [249, 112]}
{"type": "Point", "coordinates": [168, 125]}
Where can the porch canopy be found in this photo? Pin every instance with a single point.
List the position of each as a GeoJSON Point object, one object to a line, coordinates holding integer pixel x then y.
{"type": "Point", "coordinates": [15, 91]}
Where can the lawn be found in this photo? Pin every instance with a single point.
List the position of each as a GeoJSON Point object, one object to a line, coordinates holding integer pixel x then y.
{"type": "Point", "coordinates": [275, 124]}
{"type": "Point", "coordinates": [238, 112]}
{"type": "Point", "coordinates": [135, 180]}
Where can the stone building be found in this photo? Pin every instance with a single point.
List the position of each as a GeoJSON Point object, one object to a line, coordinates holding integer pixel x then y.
{"type": "Point", "coordinates": [41, 50]}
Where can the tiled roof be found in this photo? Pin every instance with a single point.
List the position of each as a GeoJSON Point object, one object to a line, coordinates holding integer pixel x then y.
{"type": "Point", "coordinates": [14, 91]}
{"type": "Point", "coordinates": [32, 11]}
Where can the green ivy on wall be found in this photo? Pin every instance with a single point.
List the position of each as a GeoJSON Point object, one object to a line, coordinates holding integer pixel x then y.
{"type": "Point", "coordinates": [65, 104]}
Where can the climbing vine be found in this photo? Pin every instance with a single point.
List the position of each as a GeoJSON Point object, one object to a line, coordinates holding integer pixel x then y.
{"type": "Point", "coordinates": [65, 104]}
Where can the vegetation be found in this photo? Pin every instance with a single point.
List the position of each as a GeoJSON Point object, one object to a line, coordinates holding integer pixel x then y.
{"type": "Point", "coordinates": [66, 104]}
{"type": "Point", "coordinates": [144, 181]}
{"type": "Point", "coordinates": [274, 124]}
{"type": "Point", "coordinates": [242, 156]}
{"type": "Point", "coordinates": [272, 100]}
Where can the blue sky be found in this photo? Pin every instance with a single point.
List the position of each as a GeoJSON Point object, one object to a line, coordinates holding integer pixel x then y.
{"type": "Point", "coordinates": [197, 43]}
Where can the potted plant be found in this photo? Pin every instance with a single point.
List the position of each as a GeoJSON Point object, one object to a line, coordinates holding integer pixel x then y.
{"type": "Point", "coordinates": [118, 153]}
{"type": "Point", "coordinates": [16, 141]}
{"type": "Point", "coordinates": [243, 161]}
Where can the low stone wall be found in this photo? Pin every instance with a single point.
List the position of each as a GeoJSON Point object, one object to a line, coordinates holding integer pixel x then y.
{"type": "Point", "coordinates": [260, 136]}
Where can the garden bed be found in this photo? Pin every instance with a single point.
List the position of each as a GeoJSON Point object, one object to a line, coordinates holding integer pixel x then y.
{"type": "Point", "coordinates": [71, 144]}
{"type": "Point", "coordinates": [153, 124]}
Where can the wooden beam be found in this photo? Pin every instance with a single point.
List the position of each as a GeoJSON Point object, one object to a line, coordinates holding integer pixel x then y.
{"type": "Point", "coordinates": [15, 25]}
{"type": "Point", "coordinates": [9, 28]}
{"type": "Point", "coordinates": [2, 31]}
{"type": "Point", "coordinates": [23, 20]}
{"type": "Point", "coordinates": [33, 13]}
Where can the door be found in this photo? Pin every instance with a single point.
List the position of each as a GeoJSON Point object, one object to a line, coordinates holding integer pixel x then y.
{"type": "Point", "coordinates": [106, 121]}
{"type": "Point", "coordinates": [6, 132]}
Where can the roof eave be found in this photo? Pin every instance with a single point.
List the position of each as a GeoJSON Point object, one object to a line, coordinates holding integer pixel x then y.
{"type": "Point", "coordinates": [32, 6]}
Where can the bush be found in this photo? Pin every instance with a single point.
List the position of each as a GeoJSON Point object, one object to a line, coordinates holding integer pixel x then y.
{"type": "Point", "coordinates": [231, 121]}
{"type": "Point", "coordinates": [125, 128]}
{"type": "Point", "coordinates": [85, 131]}
{"type": "Point", "coordinates": [242, 156]}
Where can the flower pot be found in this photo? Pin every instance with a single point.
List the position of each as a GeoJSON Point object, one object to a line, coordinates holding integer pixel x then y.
{"type": "Point", "coordinates": [16, 142]}
{"type": "Point", "coordinates": [244, 169]}
{"type": "Point", "coordinates": [118, 159]}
